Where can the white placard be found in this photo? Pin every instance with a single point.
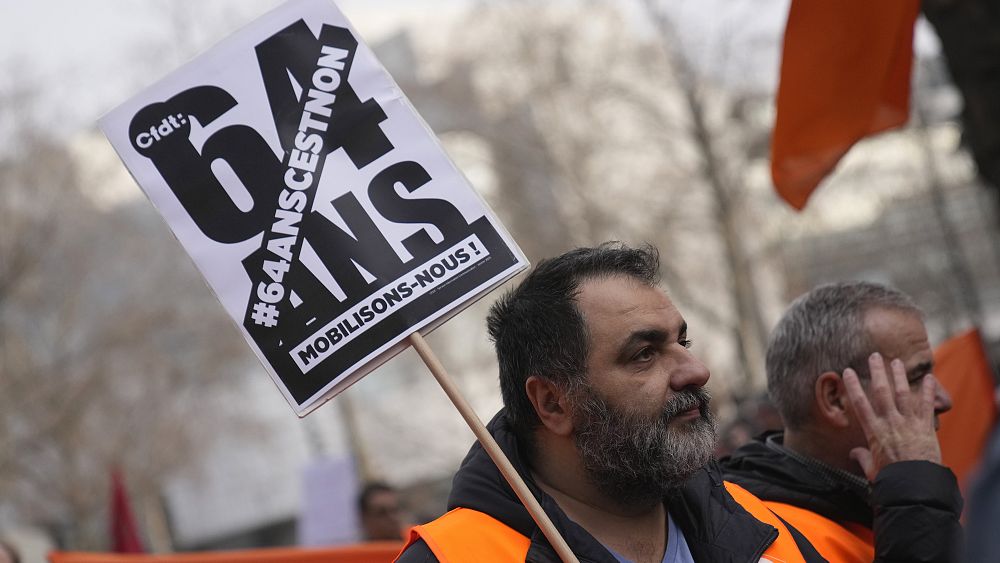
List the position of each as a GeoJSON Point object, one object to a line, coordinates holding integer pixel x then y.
{"type": "Point", "coordinates": [318, 205]}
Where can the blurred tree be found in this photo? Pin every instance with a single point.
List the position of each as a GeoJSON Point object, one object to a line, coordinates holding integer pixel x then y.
{"type": "Point", "coordinates": [109, 341]}
{"type": "Point", "coordinates": [724, 172]}
{"type": "Point", "coordinates": [598, 131]}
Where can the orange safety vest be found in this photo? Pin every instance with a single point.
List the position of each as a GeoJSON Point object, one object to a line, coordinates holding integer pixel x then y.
{"type": "Point", "coordinates": [464, 535]}
{"type": "Point", "coordinates": [842, 542]}
{"type": "Point", "coordinates": [451, 539]}
{"type": "Point", "coordinates": [783, 549]}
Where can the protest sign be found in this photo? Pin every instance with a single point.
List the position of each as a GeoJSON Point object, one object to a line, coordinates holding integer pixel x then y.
{"type": "Point", "coordinates": [317, 204]}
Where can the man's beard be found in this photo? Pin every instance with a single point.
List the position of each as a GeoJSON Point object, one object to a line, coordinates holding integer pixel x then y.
{"type": "Point", "coordinates": [634, 459]}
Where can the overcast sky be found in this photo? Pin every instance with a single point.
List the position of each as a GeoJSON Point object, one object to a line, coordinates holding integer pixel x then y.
{"type": "Point", "coordinates": [88, 56]}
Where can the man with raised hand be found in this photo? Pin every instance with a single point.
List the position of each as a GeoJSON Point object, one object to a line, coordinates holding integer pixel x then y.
{"type": "Point", "coordinates": [857, 468]}
{"type": "Point", "coordinates": [606, 418]}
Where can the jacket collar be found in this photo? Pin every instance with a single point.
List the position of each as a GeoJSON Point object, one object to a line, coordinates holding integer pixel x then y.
{"type": "Point", "coordinates": [833, 476]}
{"type": "Point", "coordinates": [771, 474]}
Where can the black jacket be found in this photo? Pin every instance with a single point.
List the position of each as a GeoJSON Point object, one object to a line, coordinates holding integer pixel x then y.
{"type": "Point", "coordinates": [715, 527]}
{"type": "Point", "coordinates": [913, 507]}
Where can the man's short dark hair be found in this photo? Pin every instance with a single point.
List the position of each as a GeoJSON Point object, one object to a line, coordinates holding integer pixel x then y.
{"type": "Point", "coordinates": [369, 490]}
{"type": "Point", "coordinates": [823, 331]}
{"type": "Point", "coordinates": [538, 330]}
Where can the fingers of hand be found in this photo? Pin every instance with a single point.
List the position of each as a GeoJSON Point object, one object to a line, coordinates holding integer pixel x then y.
{"type": "Point", "coordinates": [859, 401]}
{"type": "Point", "coordinates": [901, 387]}
{"type": "Point", "coordinates": [882, 396]}
{"type": "Point", "coordinates": [928, 389]}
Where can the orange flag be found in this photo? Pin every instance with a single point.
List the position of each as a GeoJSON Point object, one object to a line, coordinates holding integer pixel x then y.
{"type": "Point", "coordinates": [961, 366]}
{"type": "Point", "coordinates": [845, 74]}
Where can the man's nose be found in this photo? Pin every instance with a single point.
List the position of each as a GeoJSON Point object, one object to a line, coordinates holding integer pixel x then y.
{"type": "Point", "coordinates": [689, 372]}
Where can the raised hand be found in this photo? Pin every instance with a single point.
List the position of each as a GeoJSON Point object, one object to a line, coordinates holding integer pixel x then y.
{"type": "Point", "coordinates": [898, 424]}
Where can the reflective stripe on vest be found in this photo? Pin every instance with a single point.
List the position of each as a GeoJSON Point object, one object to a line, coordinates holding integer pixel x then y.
{"type": "Point", "coordinates": [464, 535]}
{"type": "Point", "coordinates": [836, 542]}
{"type": "Point", "coordinates": [783, 549]}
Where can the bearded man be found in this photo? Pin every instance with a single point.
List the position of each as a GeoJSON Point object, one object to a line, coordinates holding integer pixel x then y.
{"type": "Point", "coordinates": [606, 418]}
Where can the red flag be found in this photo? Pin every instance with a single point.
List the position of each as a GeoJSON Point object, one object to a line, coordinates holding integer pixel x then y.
{"type": "Point", "coordinates": [845, 74]}
{"type": "Point", "coordinates": [124, 534]}
{"type": "Point", "coordinates": [962, 367]}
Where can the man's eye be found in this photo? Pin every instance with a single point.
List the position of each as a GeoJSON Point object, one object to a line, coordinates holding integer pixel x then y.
{"type": "Point", "coordinates": [685, 342]}
{"type": "Point", "coordinates": [644, 355]}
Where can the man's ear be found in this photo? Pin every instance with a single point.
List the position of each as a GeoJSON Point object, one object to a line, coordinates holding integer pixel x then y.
{"type": "Point", "coordinates": [551, 405]}
{"type": "Point", "coordinates": [832, 404]}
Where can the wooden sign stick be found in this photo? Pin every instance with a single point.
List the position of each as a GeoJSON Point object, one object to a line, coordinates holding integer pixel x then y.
{"type": "Point", "coordinates": [493, 449]}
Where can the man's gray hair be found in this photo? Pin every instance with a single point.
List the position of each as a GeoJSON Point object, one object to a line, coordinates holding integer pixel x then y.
{"type": "Point", "coordinates": [823, 331]}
